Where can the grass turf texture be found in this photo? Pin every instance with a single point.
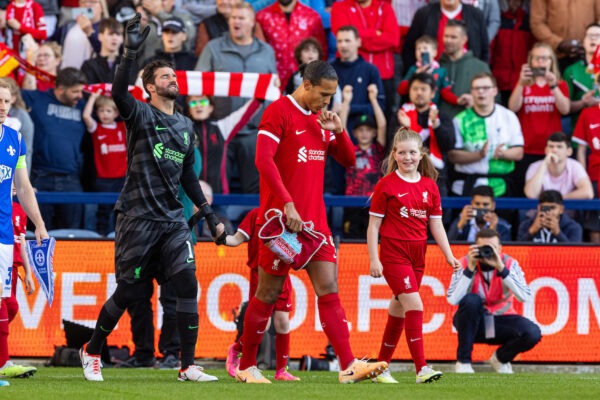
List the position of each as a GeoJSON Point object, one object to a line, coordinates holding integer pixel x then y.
{"type": "Point", "coordinates": [68, 383]}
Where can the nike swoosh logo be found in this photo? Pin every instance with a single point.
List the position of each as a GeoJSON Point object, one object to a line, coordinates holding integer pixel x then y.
{"type": "Point", "coordinates": [414, 340]}
{"type": "Point", "coordinates": [288, 305]}
{"type": "Point", "coordinates": [104, 330]}
{"type": "Point", "coordinates": [349, 373]}
{"type": "Point", "coordinates": [159, 128]}
{"type": "Point", "coordinates": [594, 126]}
{"type": "Point", "coordinates": [101, 137]}
{"type": "Point", "coordinates": [300, 132]}
{"type": "Point", "coordinates": [189, 260]}
{"type": "Point", "coordinates": [402, 195]}
{"type": "Point", "coordinates": [260, 332]}
{"type": "Point", "coordinates": [192, 327]}
{"type": "Point", "coordinates": [388, 345]}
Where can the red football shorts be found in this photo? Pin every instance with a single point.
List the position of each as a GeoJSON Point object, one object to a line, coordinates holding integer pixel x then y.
{"type": "Point", "coordinates": [284, 301]}
{"type": "Point", "coordinates": [403, 264]}
{"type": "Point", "coordinates": [271, 264]}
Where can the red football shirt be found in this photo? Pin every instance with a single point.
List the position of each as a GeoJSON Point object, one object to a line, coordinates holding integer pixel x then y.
{"type": "Point", "coordinates": [19, 227]}
{"type": "Point", "coordinates": [539, 117]}
{"type": "Point", "coordinates": [110, 150]}
{"type": "Point", "coordinates": [405, 206]}
{"type": "Point", "coordinates": [587, 132]}
{"type": "Point", "coordinates": [301, 151]}
{"type": "Point", "coordinates": [249, 230]}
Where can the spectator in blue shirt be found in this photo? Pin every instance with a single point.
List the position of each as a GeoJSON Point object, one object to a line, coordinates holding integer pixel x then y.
{"type": "Point", "coordinates": [57, 155]}
{"type": "Point", "coordinates": [478, 215]}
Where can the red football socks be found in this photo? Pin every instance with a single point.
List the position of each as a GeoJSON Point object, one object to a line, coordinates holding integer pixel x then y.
{"type": "Point", "coordinates": [255, 324]}
{"type": "Point", "coordinates": [237, 346]}
{"type": "Point", "coordinates": [282, 350]}
{"type": "Point", "coordinates": [3, 333]}
{"type": "Point", "coordinates": [414, 337]}
{"type": "Point", "coordinates": [391, 335]}
{"type": "Point", "coordinates": [335, 326]}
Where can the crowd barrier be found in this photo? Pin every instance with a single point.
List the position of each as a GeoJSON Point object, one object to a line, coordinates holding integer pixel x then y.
{"type": "Point", "coordinates": [565, 281]}
{"type": "Point", "coordinates": [330, 200]}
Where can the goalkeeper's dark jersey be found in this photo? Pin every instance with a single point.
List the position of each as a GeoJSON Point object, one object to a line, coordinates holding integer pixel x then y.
{"type": "Point", "coordinates": [159, 148]}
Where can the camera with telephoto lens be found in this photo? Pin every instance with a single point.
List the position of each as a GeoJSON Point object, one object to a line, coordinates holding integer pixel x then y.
{"type": "Point", "coordinates": [485, 251]}
{"type": "Point", "coordinates": [480, 213]}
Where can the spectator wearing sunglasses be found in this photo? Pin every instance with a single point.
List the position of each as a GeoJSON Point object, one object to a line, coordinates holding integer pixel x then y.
{"type": "Point", "coordinates": [212, 137]}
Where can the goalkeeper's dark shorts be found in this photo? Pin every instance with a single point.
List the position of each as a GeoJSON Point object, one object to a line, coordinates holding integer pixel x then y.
{"type": "Point", "coordinates": [146, 249]}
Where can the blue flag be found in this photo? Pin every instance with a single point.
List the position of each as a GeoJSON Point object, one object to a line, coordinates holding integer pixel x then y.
{"type": "Point", "coordinates": [40, 258]}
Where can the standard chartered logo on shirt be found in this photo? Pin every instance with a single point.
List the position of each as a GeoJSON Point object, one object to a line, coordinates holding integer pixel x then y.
{"type": "Point", "coordinates": [161, 151]}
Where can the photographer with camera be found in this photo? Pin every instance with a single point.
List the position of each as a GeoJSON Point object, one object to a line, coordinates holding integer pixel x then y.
{"type": "Point", "coordinates": [550, 224]}
{"type": "Point", "coordinates": [484, 291]}
{"type": "Point", "coordinates": [478, 215]}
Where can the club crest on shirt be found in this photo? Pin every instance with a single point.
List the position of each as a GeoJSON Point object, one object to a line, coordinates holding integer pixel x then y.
{"type": "Point", "coordinates": [407, 283]}
{"type": "Point", "coordinates": [11, 150]}
{"type": "Point", "coordinates": [424, 197]}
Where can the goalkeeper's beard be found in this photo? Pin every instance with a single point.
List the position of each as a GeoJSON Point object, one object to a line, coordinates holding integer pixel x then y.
{"type": "Point", "coordinates": [170, 92]}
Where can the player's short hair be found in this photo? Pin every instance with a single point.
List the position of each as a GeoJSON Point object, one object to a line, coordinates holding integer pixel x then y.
{"type": "Point", "coordinates": [483, 75]}
{"type": "Point", "coordinates": [305, 44]}
{"type": "Point", "coordinates": [486, 233]}
{"type": "Point", "coordinates": [317, 70]}
{"type": "Point", "coordinates": [150, 69]}
{"type": "Point", "coordinates": [104, 101]}
{"type": "Point", "coordinates": [350, 28]}
{"type": "Point", "coordinates": [483, 190]}
{"type": "Point", "coordinates": [423, 77]}
{"type": "Point", "coordinates": [426, 39]}
{"type": "Point", "coordinates": [559, 137]}
{"type": "Point", "coordinates": [551, 196]}
{"type": "Point", "coordinates": [69, 77]}
{"type": "Point", "coordinates": [458, 23]}
{"type": "Point", "coordinates": [111, 25]}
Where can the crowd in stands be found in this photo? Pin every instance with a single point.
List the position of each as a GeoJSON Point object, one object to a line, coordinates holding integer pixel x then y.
{"type": "Point", "coordinates": [503, 92]}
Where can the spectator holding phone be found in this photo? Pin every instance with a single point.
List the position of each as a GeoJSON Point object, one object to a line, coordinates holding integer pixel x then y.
{"type": "Point", "coordinates": [426, 50]}
{"type": "Point", "coordinates": [478, 215]}
{"type": "Point", "coordinates": [540, 98]}
{"type": "Point", "coordinates": [550, 224]}
{"type": "Point", "coordinates": [485, 290]}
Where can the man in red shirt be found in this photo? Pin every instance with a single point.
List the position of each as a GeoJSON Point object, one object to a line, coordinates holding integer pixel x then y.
{"type": "Point", "coordinates": [379, 34]}
{"type": "Point", "coordinates": [285, 24]}
{"type": "Point", "coordinates": [293, 143]}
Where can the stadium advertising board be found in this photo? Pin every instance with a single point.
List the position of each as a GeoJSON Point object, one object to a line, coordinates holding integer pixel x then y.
{"type": "Point", "coordinates": [565, 282]}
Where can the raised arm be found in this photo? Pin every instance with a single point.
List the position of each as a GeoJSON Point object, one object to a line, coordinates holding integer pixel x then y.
{"type": "Point", "coordinates": [89, 122]}
{"type": "Point", "coordinates": [133, 41]}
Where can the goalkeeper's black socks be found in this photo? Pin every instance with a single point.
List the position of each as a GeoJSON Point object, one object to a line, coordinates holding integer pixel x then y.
{"type": "Point", "coordinates": [187, 325]}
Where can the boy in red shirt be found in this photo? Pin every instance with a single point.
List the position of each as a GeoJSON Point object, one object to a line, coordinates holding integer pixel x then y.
{"type": "Point", "coordinates": [110, 152]}
{"type": "Point", "coordinates": [23, 17]}
{"type": "Point", "coordinates": [248, 231]}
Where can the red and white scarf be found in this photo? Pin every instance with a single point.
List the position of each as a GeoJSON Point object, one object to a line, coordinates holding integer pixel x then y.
{"type": "Point", "coordinates": [425, 133]}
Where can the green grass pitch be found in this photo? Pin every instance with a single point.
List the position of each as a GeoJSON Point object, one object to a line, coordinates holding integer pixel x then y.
{"type": "Point", "coordinates": [68, 383]}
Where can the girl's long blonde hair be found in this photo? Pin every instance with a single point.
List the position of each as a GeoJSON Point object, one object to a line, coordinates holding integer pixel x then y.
{"type": "Point", "coordinates": [554, 66]}
{"type": "Point", "coordinates": [425, 168]}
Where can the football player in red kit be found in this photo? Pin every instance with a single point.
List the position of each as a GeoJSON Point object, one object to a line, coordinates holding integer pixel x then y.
{"type": "Point", "coordinates": [295, 136]}
{"type": "Point", "coordinates": [281, 317]}
{"type": "Point", "coordinates": [403, 202]}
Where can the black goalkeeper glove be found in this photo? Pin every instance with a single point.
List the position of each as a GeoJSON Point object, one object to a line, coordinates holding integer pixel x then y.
{"type": "Point", "coordinates": [211, 220]}
{"type": "Point", "coordinates": [133, 37]}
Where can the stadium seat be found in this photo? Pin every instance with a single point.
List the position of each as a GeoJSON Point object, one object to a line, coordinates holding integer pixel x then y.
{"type": "Point", "coordinates": [111, 235]}
{"type": "Point", "coordinates": [73, 234]}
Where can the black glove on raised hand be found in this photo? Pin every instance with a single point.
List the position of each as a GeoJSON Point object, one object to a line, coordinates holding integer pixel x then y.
{"type": "Point", "coordinates": [133, 37]}
{"type": "Point", "coordinates": [211, 220]}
